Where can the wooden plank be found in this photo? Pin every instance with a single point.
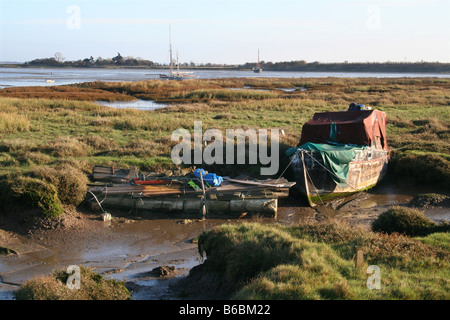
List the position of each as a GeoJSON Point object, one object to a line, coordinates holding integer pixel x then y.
{"type": "Point", "coordinates": [255, 183]}
{"type": "Point", "coordinates": [102, 170]}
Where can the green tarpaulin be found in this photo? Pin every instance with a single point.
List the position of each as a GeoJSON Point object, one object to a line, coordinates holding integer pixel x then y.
{"type": "Point", "coordinates": [336, 158]}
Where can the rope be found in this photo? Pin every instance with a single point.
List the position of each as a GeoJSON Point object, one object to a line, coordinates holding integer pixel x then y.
{"type": "Point", "coordinates": [106, 193]}
{"type": "Point", "coordinates": [315, 188]}
{"type": "Point", "coordinates": [330, 171]}
{"type": "Point", "coordinates": [96, 200]}
{"type": "Point", "coordinates": [394, 149]}
{"type": "Point", "coordinates": [292, 159]}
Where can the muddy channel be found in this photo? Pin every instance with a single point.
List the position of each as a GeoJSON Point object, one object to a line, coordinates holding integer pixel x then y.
{"type": "Point", "coordinates": [130, 246]}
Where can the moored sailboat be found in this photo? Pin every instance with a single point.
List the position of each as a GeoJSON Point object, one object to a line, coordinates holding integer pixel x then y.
{"type": "Point", "coordinates": [257, 69]}
{"type": "Point", "coordinates": [175, 75]}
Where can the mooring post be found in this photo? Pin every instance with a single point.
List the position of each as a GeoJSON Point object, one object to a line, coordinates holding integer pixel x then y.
{"type": "Point", "coordinates": [359, 257]}
{"type": "Point", "coordinates": [203, 209]}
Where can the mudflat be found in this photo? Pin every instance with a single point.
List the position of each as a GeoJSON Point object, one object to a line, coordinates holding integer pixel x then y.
{"type": "Point", "coordinates": [131, 246]}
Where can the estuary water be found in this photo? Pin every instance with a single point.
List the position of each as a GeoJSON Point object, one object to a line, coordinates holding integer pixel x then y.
{"type": "Point", "coordinates": [19, 77]}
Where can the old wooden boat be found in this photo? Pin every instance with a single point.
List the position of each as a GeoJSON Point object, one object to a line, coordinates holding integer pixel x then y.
{"type": "Point", "coordinates": [186, 194]}
{"type": "Point", "coordinates": [340, 153]}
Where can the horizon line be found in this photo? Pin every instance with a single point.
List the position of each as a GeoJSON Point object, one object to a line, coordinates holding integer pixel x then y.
{"type": "Point", "coordinates": [237, 64]}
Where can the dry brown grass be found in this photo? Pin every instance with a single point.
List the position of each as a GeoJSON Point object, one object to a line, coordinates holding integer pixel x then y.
{"type": "Point", "coordinates": [34, 158]}
{"type": "Point", "coordinates": [64, 147]}
{"type": "Point", "coordinates": [99, 143]}
{"type": "Point", "coordinates": [11, 123]}
{"type": "Point", "coordinates": [92, 287]}
{"type": "Point", "coordinates": [17, 144]}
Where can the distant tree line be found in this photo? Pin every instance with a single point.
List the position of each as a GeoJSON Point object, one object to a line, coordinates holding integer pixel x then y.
{"type": "Point", "coordinates": [408, 67]}
{"type": "Point", "coordinates": [59, 61]}
{"type": "Point", "coordinates": [300, 65]}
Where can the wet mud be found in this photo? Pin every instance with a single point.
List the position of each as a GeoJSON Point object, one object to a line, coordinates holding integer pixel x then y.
{"type": "Point", "coordinates": [134, 248]}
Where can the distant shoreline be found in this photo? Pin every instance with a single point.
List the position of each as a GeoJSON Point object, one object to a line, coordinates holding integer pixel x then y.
{"type": "Point", "coordinates": [436, 68]}
{"type": "Point", "coordinates": [18, 66]}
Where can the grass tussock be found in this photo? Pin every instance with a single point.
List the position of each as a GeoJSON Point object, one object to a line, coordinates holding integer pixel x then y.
{"type": "Point", "coordinates": [71, 183]}
{"type": "Point", "coordinates": [12, 123]}
{"type": "Point", "coordinates": [423, 168]}
{"type": "Point", "coordinates": [64, 147]}
{"type": "Point", "coordinates": [426, 200]}
{"type": "Point", "coordinates": [254, 248]}
{"type": "Point", "coordinates": [35, 158]}
{"type": "Point", "coordinates": [408, 221]}
{"type": "Point", "coordinates": [99, 143]}
{"type": "Point", "coordinates": [17, 145]}
{"type": "Point", "coordinates": [93, 286]}
{"type": "Point", "coordinates": [317, 261]}
{"type": "Point", "coordinates": [37, 193]}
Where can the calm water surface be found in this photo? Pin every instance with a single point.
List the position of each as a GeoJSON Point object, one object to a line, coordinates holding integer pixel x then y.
{"type": "Point", "coordinates": [138, 104]}
{"type": "Point", "coordinates": [13, 77]}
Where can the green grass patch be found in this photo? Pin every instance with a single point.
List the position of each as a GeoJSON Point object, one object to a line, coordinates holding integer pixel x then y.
{"type": "Point", "coordinates": [37, 193]}
{"type": "Point", "coordinates": [317, 261]}
{"type": "Point", "coordinates": [439, 240]}
{"type": "Point", "coordinates": [430, 199]}
{"type": "Point", "coordinates": [408, 221]}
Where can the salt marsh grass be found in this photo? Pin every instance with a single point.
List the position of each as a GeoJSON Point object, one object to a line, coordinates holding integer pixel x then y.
{"type": "Point", "coordinates": [52, 125]}
{"type": "Point", "coordinates": [12, 123]}
{"type": "Point", "coordinates": [51, 138]}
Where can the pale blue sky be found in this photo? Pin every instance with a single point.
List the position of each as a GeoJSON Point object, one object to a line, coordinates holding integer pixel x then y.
{"type": "Point", "coordinates": [229, 31]}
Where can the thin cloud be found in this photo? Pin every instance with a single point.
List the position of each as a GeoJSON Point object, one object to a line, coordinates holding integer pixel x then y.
{"type": "Point", "coordinates": [105, 21]}
{"type": "Point", "coordinates": [391, 3]}
{"type": "Point", "coordinates": [35, 22]}
{"type": "Point", "coordinates": [289, 22]}
{"type": "Point", "coordinates": [407, 3]}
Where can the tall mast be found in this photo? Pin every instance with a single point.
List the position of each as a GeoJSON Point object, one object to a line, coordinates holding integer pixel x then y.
{"type": "Point", "coordinates": [178, 65]}
{"type": "Point", "coordinates": [170, 43]}
{"type": "Point", "coordinates": [258, 59]}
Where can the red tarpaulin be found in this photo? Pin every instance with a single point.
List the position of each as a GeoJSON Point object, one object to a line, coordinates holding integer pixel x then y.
{"type": "Point", "coordinates": [361, 127]}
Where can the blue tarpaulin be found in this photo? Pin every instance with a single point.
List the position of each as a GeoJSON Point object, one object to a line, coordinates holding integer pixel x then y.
{"type": "Point", "coordinates": [211, 178]}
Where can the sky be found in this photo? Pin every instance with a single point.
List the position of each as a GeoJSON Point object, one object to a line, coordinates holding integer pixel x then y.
{"type": "Point", "coordinates": [227, 32]}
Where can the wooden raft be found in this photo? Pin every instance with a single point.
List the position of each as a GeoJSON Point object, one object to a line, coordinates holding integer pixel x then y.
{"type": "Point", "coordinates": [176, 195]}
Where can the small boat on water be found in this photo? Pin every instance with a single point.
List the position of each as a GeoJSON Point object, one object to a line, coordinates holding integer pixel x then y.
{"type": "Point", "coordinates": [175, 75]}
{"type": "Point", "coordinates": [257, 69]}
{"type": "Point", "coordinates": [340, 153]}
{"type": "Point", "coordinates": [178, 75]}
